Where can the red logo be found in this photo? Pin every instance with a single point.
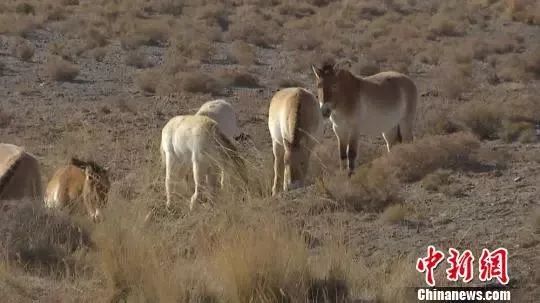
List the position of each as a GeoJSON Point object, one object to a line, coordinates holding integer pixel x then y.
{"type": "Point", "coordinates": [460, 265]}
{"type": "Point", "coordinates": [494, 265]}
{"type": "Point", "coordinates": [429, 263]}
{"type": "Point", "coordinates": [491, 265]}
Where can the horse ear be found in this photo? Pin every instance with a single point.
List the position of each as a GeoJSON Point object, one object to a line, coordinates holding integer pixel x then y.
{"type": "Point", "coordinates": [317, 71]}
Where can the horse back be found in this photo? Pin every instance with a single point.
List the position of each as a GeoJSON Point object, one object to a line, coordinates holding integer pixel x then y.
{"type": "Point", "coordinates": [66, 185]}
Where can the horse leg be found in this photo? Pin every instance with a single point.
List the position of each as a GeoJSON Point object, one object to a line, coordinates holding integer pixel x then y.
{"type": "Point", "coordinates": [168, 169]}
{"type": "Point", "coordinates": [198, 180]}
{"type": "Point", "coordinates": [279, 155]}
{"type": "Point", "coordinates": [405, 129]}
{"type": "Point", "coordinates": [351, 153]}
{"type": "Point", "coordinates": [212, 181]}
{"type": "Point", "coordinates": [342, 136]}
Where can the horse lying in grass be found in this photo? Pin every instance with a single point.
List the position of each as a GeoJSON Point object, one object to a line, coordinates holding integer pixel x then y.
{"type": "Point", "coordinates": [294, 121]}
{"type": "Point", "coordinates": [20, 175]}
{"type": "Point", "coordinates": [78, 185]}
{"type": "Point", "coordinates": [197, 141]}
{"type": "Point", "coordinates": [384, 103]}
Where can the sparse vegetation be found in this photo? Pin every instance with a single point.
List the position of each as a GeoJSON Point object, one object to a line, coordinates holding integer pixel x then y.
{"type": "Point", "coordinates": [148, 80]}
{"type": "Point", "coordinates": [243, 53]}
{"type": "Point", "coordinates": [394, 213]}
{"type": "Point", "coordinates": [336, 239]}
{"type": "Point", "coordinates": [137, 59]}
{"type": "Point", "coordinates": [23, 50]}
{"type": "Point", "coordinates": [61, 70]}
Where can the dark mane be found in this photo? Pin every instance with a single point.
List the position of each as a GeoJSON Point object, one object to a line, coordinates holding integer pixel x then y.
{"type": "Point", "coordinates": [328, 66]}
{"type": "Point", "coordinates": [83, 164]}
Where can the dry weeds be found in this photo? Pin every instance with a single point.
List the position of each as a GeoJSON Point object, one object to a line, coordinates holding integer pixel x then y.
{"type": "Point", "coordinates": [23, 50]}
{"type": "Point", "coordinates": [61, 70]}
{"type": "Point", "coordinates": [243, 53]}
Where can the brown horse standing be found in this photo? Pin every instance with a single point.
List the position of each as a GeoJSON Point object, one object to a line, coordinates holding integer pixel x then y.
{"type": "Point", "coordinates": [384, 103]}
{"type": "Point", "coordinates": [79, 182]}
{"type": "Point", "coordinates": [19, 174]}
{"type": "Point", "coordinates": [294, 121]}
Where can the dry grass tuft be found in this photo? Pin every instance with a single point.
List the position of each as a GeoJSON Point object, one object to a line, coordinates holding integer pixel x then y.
{"type": "Point", "coordinates": [61, 70]}
{"type": "Point", "coordinates": [5, 118]}
{"type": "Point", "coordinates": [482, 119]}
{"type": "Point", "coordinates": [526, 11]}
{"type": "Point", "coordinates": [23, 50]}
{"type": "Point", "coordinates": [199, 82]}
{"type": "Point", "coordinates": [411, 162]}
{"type": "Point", "coordinates": [394, 214]}
{"type": "Point", "coordinates": [25, 8]}
{"type": "Point", "coordinates": [532, 63]}
{"type": "Point", "coordinates": [433, 182]}
{"type": "Point", "coordinates": [148, 80]}
{"type": "Point", "coordinates": [454, 80]}
{"type": "Point", "coordinates": [38, 239]}
{"type": "Point", "coordinates": [238, 78]}
{"type": "Point", "coordinates": [243, 53]}
{"type": "Point", "coordinates": [443, 25]}
{"type": "Point", "coordinates": [535, 220]}
{"type": "Point", "coordinates": [137, 58]}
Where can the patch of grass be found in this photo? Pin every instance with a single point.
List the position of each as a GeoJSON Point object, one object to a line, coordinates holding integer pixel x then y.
{"type": "Point", "coordinates": [243, 53]}
{"type": "Point", "coordinates": [532, 64]}
{"type": "Point", "coordinates": [190, 46]}
{"type": "Point", "coordinates": [199, 82]}
{"type": "Point", "coordinates": [38, 239]}
{"type": "Point", "coordinates": [371, 188]}
{"type": "Point", "coordinates": [535, 220]}
{"type": "Point", "coordinates": [443, 25]}
{"type": "Point", "coordinates": [526, 11]}
{"type": "Point", "coordinates": [25, 8]}
{"type": "Point", "coordinates": [481, 118]}
{"type": "Point", "coordinates": [5, 118]}
{"type": "Point", "coordinates": [433, 182]}
{"type": "Point", "coordinates": [238, 78]}
{"type": "Point", "coordinates": [411, 162]}
{"type": "Point", "coordinates": [454, 80]}
{"type": "Point", "coordinates": [137, 58]}
{"type": "Point", "coordinates": [61, 70]}
{"type": "Point", "coordinates": [394, 214]}
{"type": "Point", "coordinates": [517, 131]}
{"type": "Point", "coordinates": [99, 54]}
{"type": "Point", "coordinates": [251, 26]}
{"type": "Point", "coordinates": [148, 80]}
{"type": "Point", "coordinates": [23, 50]}
{"type": "Point", "coordinates": [95, 38]}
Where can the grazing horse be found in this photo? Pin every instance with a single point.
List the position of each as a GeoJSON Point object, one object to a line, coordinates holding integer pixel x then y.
{"type": "Point", "coordinates": [223, 113]}
{"type": "Point", "coordinates": [294, 121]}
{"type": "Point", "coordinates": [382, 103]}
{"type": "Point", "coordinates": [79, 182]}
{"type": "Point", "coordinates": [198, 140]}
{"type": "Point", "coordinates": [19, 174]}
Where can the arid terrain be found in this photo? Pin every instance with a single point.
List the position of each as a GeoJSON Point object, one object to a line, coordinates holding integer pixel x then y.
{"type": "Point", "coordinates": [98, 79]}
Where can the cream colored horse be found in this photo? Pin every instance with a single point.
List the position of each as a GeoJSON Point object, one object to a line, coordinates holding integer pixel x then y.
{"type": "Point", "coordinates": [196, 140]}
{"type": "Point", "coordinates": [80, 184]}
{"type": "Point", "coordinates": [223, 113]}
{"type": "Point", "coordinates": [20, 175]}
{"type": "Point", "coordinates": [294, 121]}
{"type": "Point", "coordinates": [384, 103]}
